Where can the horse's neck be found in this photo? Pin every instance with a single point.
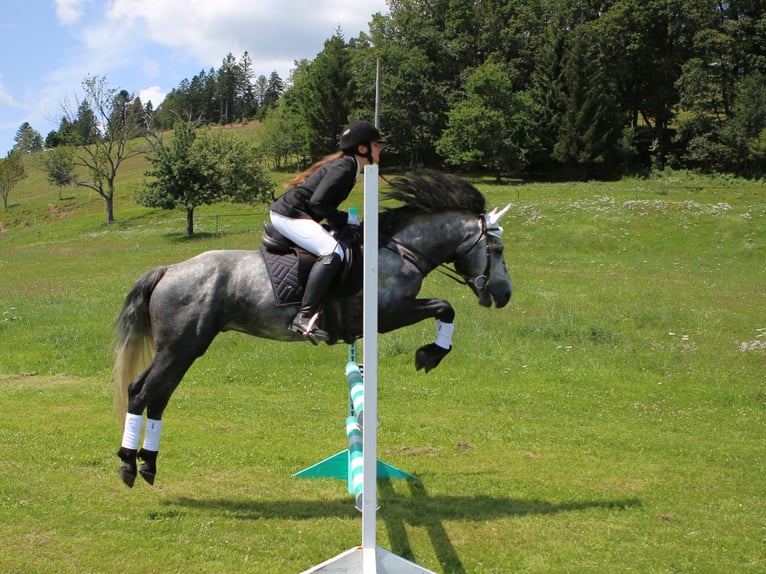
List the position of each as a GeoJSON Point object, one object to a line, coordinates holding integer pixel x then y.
{"type": "Point", "coordinates": [438, 237]}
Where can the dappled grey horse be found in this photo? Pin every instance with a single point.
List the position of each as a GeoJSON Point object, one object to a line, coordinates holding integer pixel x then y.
{"type": "Point", "coordinates": [173, 313]}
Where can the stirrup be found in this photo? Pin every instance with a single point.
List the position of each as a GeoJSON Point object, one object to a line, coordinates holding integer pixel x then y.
{"type": "Point", "coordinates": [309, 330]}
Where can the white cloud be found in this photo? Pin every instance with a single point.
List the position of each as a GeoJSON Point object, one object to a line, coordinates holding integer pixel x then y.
{"type": "Point", "coordinates": [151, 67]}
{"type": "Point", "coordinates": [153, 94]}
{"type": "Point", "coordinates": [6, 99]}
{"type": "Point", "coordinates": [69, 11]}
{"type": "Point", "coordinates": [274, 32]}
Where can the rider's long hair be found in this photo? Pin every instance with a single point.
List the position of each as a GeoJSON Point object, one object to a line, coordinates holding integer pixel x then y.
{"type": "Point", "coordinates": [303, 176]}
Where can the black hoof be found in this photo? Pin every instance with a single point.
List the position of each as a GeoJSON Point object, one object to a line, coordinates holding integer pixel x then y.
{"type": "Point", "coordinates": [128, 471]}
{"type": "Point", "coordinates": [146, 475]}
{"type": "Point", "coordinates": [148, 469]}
{"type": "Point", "coordinates": [429, 356]}
{"type": "Point", "coordinates": [127, 477]}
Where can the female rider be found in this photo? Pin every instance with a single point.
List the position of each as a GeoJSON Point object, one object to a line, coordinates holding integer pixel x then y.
{"type": "Point", "coordinates": [313, 197]}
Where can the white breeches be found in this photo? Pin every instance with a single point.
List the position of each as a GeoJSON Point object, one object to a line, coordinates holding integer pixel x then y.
{"type": "Point", "coordinates": [308, 234]}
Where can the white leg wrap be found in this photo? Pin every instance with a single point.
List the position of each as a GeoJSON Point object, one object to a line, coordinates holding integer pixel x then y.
{"type": "Point", "coordinates": [132, 432]}
{"type": "Point", "coordinates": [152, 436]}
{"type": "Point", "coordinates": [444, 334]}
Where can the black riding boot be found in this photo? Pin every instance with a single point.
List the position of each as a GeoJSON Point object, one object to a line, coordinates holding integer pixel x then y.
{"type": "Point", "coordinates": [320, 278]}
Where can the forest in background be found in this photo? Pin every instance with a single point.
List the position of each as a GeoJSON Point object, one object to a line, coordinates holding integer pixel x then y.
{"type": "Point", "coordinates": [561, 88]}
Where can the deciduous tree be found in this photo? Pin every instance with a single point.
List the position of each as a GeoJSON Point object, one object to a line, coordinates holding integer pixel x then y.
{"type": "Point", "coordinates": [108, 137]}
{"type": "Point", "coordinates": [11, 172]}
{"type": "Point", "coordinates": [493, 128]}
{"type": "Point", "coordinates": [201, 168]}
{"type": "Point", "coordinates": [59, 165]}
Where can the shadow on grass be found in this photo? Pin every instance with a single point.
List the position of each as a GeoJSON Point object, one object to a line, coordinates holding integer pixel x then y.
{"type": "Point", "coordinates": [182, 237]}
{"type": "Point", "coordinates": [396, 511]}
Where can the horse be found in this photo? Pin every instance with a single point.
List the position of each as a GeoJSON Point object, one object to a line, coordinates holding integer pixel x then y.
{"type": "Point", "coordinates": [173, 313]}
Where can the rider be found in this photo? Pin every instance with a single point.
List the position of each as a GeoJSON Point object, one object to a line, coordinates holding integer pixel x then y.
{"type": "Point", "coordinates": [314, 196]}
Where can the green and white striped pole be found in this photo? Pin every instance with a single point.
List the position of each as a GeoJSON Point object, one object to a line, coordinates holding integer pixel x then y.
{"type": "Point", "coordinates": [356, 391]}
{"type": "Point", "coordinates": [355, 460]}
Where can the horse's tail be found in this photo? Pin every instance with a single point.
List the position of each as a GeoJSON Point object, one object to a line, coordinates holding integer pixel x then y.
{"type": "Point", "coordinates": [134, 339]}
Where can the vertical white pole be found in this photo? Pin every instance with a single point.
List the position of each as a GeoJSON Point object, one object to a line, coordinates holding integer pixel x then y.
{"type": "Point", "coordinates": [370, 349]}
{"type": "Point", "coordinates": [377, 93]}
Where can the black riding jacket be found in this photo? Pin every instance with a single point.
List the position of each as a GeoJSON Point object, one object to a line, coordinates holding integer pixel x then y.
{"type": "Point", "coordinates": [320, 195]}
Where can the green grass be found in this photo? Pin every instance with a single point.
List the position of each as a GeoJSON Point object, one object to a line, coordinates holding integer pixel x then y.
{"type": "Point", "coordinates": [610, 419]}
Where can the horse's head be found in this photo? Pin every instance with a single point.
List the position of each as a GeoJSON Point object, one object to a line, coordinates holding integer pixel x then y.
{"type": "Point", "coordinates": [482, 265]}
{"type": "Point", "coordinates": [441, 211]}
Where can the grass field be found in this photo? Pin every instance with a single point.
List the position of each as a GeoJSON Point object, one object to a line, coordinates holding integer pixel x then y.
{"type": "Point", "coordinates": [610, 419]}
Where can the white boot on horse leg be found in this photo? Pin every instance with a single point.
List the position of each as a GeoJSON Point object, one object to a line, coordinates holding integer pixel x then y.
{"type": "Point", "coordinates": [148, 454]}
{"type": "Point", "coordinates": [131, 435]}
{"type": "Point", "coordinates": [429, 356]}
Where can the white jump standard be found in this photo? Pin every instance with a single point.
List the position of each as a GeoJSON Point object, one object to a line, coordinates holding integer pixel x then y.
{"type": "Point", "coordinates": [369, 558]}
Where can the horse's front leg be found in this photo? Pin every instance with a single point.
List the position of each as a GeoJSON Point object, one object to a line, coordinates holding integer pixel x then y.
{"type": "Point", "coordinates": [404, 312]}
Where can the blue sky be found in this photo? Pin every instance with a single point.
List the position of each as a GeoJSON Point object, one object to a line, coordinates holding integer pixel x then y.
{"type": "Point", "coordinates": [148, 46]}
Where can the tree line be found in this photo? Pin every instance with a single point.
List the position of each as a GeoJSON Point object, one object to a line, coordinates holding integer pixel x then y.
{"type": "Point", "coordinates": [575, 87]}
{"type": "Point", "coordinates": [553, 88]}
{"type": "Point", "coordinates": [571, 88]}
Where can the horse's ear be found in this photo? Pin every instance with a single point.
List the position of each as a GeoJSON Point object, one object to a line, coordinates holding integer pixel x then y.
{"type": "Point", "coordinates": [493, 217]}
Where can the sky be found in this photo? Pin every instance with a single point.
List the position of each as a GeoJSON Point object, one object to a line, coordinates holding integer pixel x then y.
{"type": "Point", "coordinates": [148, 47]}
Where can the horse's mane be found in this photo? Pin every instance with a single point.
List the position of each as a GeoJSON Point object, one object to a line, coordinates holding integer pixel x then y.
{"type": "Point", "coordinates": [430, 192]}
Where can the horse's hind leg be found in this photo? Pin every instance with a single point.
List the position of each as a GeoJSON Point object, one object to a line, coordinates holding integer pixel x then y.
{"type": "Point", "coordinates": [131, 435]}
{"type": "Point", "coordinates": [150, 449]}
{"type": "Point", "coordinates": [150, 392]}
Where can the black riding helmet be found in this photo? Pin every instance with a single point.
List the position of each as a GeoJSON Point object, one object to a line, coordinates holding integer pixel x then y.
{"type": "Point", "coordinates": [358, 133]}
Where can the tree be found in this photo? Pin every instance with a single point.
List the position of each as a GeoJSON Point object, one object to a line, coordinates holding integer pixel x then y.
{"type": "Point", "coordinates": [202, 168]}
{"type": "Point", "coordinates": [740, 136]}
{"type": "Point", "coordinates": [284, 136]}
{"type": "Point", "coordinates": [493, 128]}
{"type": "Point", "coordinates": [729, 44]}
{"type": "Point", "coordinates": [228, 85]}
{"type": "Point", "coordinates": [324, 94]}
{"type": "Point", "coordinates": [590, 123]}
{"type": "Point", "coordinates": [53, 139]}
{"type": "Point", "coordinates": [269, 93]}
{"type": "Point", "coordinates": [107, 122]}
{"type": "Point", "coordinates": [420, 79]}
{"type": "Point", "coordinates": [28, 139]}
{"type": "Point", "coordinates": [748, 120]}
{"type": "Point", "coordinates": [11, 172]}
{"type": "Point", "coordinates": [59, 164]}
{"type": "Point", "coordinates": [84, 127]}
{"type": "Point", "coordinates": [248, 104]}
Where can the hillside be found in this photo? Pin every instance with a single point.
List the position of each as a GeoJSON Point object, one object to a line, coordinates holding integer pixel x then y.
{"type": "Point", "coordinates": [34, 201]}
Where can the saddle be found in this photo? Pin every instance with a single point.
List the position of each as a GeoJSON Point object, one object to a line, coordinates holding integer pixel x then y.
{"type": "Point", "coordinates": [288, 265]}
